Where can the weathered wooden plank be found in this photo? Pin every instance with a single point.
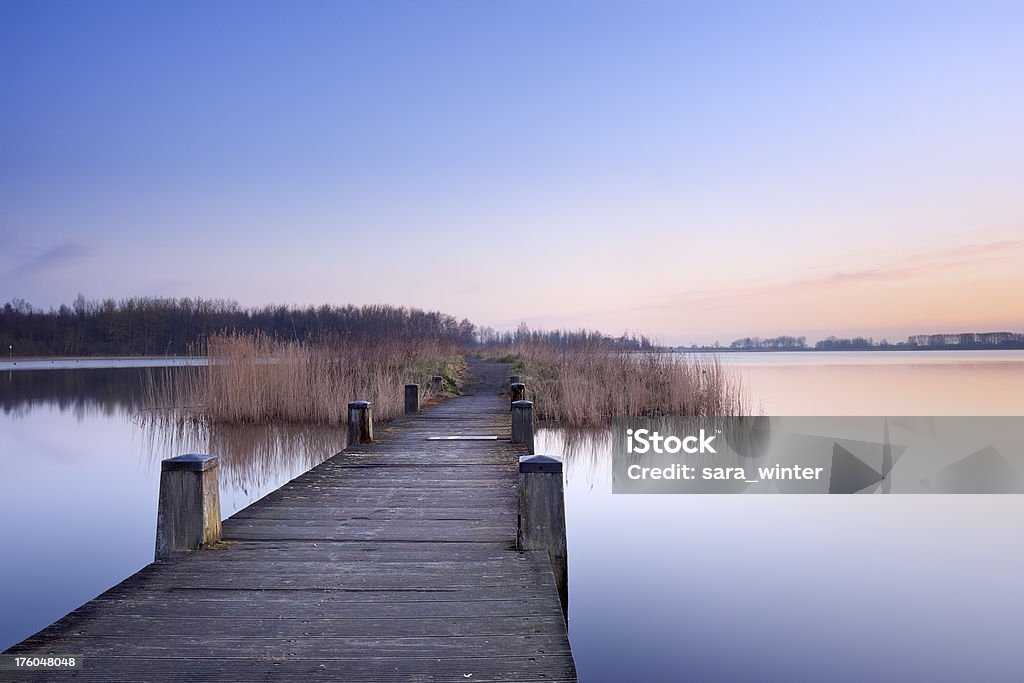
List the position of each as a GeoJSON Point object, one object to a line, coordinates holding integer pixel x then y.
{"type": "Point", "coordinates": [161, 589]}
{"type": "Point", "coordinates": [406, 477]}
{"type": "Point", "coordinates": [385, 565]}
{"type": "Point", "coordinates": [396, 497]}
{"type": "Point", "coordinates": [351, 551]}
{"type": "Point", "coordinates": [383, 530]}
{"type": "Point", "coordinates": [230, 646]}
{"type": "Point", "coordinates": [128, 625]}
{"type": "Point", "coordinates": [486, 535]}
{"type": "Point", "coordinates": [391, 512]}
{"type": "Point", "coordinates": [414, 526]}
{"type": "Point", "coordinates": [395, 468]}
{"type": "Point", "coordinates": [348, 606]}
{"type": "Point", "coordinates": [362, 578]}
{"type": "Point", "coordinates": [341, 486]}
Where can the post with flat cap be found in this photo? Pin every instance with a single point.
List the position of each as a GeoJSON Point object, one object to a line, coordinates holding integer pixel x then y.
{"type": "Point", "coordinates": [522, 424]}
{"type": "Point", "coordinates": [412, 398]}
{"type": "Point", "coordinates": [518, 392]}
{"type": "Point", "coordinates": [360, 423]}
{"type": "Point", "coordinates": [542, 516]}
{"type": "Point", "coordinates": [188, 512]}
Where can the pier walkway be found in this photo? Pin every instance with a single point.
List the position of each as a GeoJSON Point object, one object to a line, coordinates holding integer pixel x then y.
{"type": "Point", "coordinates": [391, 561]}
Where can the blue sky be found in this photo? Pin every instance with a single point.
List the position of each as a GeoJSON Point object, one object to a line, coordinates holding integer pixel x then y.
{"type": "Point", "coordinates": [693, 171]}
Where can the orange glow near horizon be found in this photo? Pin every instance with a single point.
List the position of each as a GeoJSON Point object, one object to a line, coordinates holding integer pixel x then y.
{"type": "Point", "coordinates": [976, 288]}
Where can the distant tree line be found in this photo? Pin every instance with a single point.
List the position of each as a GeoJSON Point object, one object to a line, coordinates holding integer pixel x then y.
{"type": "Point", "coordinates": [837, 344]}
{"type": "Point", "coordinates": [770, 344]}
{"type": "Point", "coordinates": [168, 326]}
{"type": "Point", "coordinates": [563, 339]}
{"type": "Point", "coordinates": [948, 342]}
{"type": "Point", "coordinates": [968, 340]}
{"type": "Point", "coordinates": [959, 341]}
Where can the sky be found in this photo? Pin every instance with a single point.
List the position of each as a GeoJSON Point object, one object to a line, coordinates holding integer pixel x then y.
{"type": "Point", "coordinates": [693, 171]}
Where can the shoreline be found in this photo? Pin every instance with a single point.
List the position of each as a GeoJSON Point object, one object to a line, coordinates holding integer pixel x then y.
{"type": "Point", "coordinates": [99, 362]}
{"type": "Point", "coordinates": [113, 362]}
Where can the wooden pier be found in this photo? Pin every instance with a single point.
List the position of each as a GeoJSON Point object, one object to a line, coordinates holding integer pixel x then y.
{"type": "Point", "coordinates": [392, 561]}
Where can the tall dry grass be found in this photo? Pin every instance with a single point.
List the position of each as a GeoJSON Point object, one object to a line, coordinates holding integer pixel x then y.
{"type": "Point", "coordinates": [589, 386]}
{"type": "Point", "coordinates": [256, 379]}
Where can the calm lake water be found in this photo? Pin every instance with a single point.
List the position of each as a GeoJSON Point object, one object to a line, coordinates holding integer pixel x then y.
{"type": "Point", "coordinates": [883, 382]}
{"type": "Point", "coordinates": [662, 588]}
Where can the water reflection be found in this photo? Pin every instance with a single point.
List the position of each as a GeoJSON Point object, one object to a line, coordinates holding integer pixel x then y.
{"type": "Point", "coordinates": [83, 393]}
{"type": "Point", "coordinates": [250, 457]}
{"type": "Point", "coordinates": [883, 383]}
{"type": "Point", "coordinates": [586, 454]}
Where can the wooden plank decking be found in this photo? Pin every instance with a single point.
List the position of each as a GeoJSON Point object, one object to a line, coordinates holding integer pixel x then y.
{"type": "Point", "coordinates": [395, 561]}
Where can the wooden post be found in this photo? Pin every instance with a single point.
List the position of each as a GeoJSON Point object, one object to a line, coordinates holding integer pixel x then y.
{"type": "Point", "coordinates": [518, 392]}
{"type": "Point", "coordinates": [522, 424]}
{"type": "Point", "coordinates": [542, 516]}
{"type": "Point", "coordinates": [412, 398]}
{"type": "Point", "coordinates": [437, 384]}
{"type": "Point", "coordinates": [514, 379]}
{"type": "Point", "coordinates": [360, 423]}
{"type": "Point", "coordinates": [188, 511]}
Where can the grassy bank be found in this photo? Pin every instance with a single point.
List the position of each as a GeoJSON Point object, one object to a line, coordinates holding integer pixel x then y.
{"type": "Point", "coordinates": [586, 387]}
{"type": "Point", "coordinates": [255, 379]}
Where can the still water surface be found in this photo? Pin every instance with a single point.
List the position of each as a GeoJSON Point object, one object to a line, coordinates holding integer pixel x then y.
{"type": "Point", "coordinates": [883, 382]}
{"type": "Point", "coordinates": [661, 587]}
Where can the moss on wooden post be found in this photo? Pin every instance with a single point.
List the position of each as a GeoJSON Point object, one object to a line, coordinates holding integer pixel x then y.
{"type": "Point", "coordinates": [412, 398]}
{"type": "Point", "coordinates": [522, 424]}
{"type": "Point", "coordinates": [542, 516]}
{"type": "Point", "coordinates": [188, 511]}
{"type": "Point", "coordinates": [360, 423]}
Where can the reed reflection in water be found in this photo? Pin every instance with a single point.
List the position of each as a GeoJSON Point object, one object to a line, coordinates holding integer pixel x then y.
{"type": "Point", "coordinates": [586, 454]}
{"type": "Point", "coordinates": [253, 460]}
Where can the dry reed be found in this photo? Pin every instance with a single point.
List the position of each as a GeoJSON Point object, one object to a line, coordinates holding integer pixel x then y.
{"type": "Point", "coordinates": [587, 387]}
{"type": "Point", "coordinates": [255, 379]}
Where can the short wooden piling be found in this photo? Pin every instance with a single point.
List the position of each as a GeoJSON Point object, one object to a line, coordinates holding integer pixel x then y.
{"type": "Point", "coordinates": [542, 516]}
{"type": "Point", "coordinates": [360, 423]}
{"type": "Point", "coordinates": [437, 384]}
{"type": "Point", "coordinates": [412, 398]}
{"type": "Point", "coordinates": [188, 511]}
{"type": "Point", "coordinates": [518, 392]}
{"type": "Point", "coordinates": [522, 424]}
